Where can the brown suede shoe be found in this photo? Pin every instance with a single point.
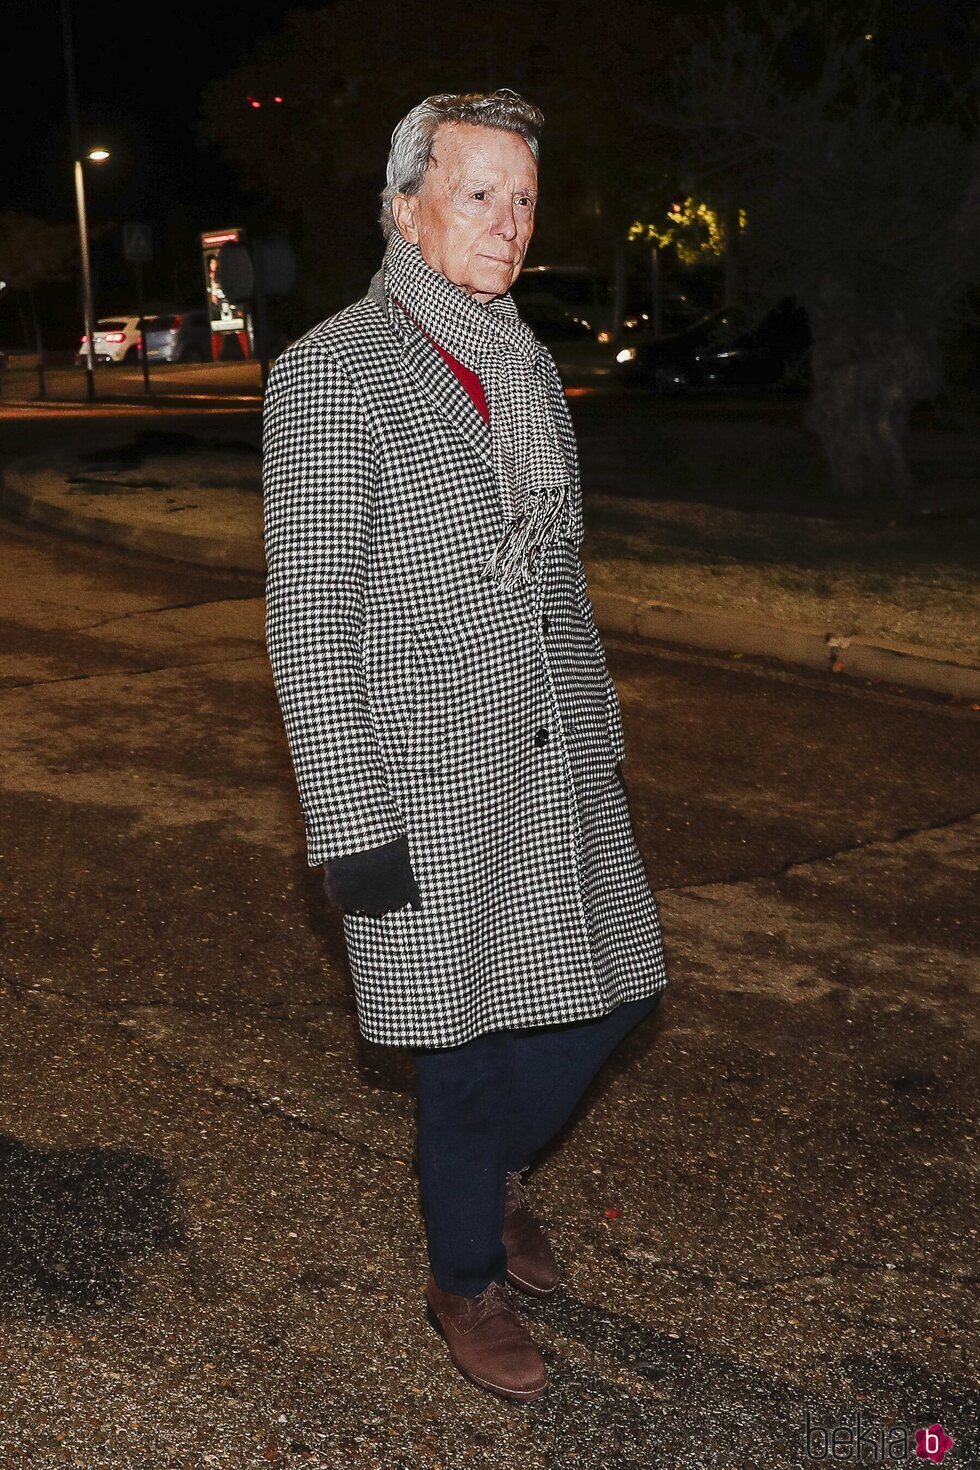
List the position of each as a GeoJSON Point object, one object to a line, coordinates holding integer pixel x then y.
{"type": "Point", "coordinates": [488, 1343]}
{"type": "Point", "coordinates": [530, 1263]}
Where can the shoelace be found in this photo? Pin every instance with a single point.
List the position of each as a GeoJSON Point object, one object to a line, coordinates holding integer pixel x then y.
{"type": "Point", "coordinates": [493, 1298]}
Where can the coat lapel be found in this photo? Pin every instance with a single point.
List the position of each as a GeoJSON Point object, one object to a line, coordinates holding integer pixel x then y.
{"type": "Point", "coordinates": [444, 390]}
{"type": "Point", "coordinates": [433, 374]}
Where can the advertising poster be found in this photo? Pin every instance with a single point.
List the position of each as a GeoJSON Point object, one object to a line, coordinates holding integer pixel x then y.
{"type": "Point", "coordinates": [226, 316]}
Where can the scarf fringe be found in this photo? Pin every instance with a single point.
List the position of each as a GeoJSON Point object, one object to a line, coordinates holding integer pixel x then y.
{"type": "Point", "coordinates": [515, 558]}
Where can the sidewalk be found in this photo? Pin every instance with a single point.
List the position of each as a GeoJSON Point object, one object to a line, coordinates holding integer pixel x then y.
{"type": "Point", "coordinates": [204, 508]}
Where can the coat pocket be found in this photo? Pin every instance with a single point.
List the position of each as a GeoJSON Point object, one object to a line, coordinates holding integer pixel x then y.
{"type": "Point", "coordinates": [389, 667]}
{"type": "Point", "coordinates": [473, 692]}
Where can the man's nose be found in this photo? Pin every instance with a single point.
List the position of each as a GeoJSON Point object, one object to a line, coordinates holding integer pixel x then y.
{"type": "Point", "coordinates": [505, 222]}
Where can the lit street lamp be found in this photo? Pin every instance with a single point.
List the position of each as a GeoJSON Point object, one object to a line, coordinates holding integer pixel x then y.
{"type": "Point", "coordinates": [97, 155]}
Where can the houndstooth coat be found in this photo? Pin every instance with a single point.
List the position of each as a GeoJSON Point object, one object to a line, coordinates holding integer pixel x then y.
{"type": "Point", "coordinates": [420, 698]}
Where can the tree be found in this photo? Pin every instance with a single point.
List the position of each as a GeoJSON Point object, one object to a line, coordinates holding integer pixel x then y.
{"type": "Point", "coordinates": [862, 197]}
{"type": "Point", "coordinates": [34, 252]}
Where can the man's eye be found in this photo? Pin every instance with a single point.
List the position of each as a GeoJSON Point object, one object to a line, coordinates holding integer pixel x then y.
{"type": "Point", "coordinates": [480, 194]}
{"type": "Point", "coordinates": [526, 199]}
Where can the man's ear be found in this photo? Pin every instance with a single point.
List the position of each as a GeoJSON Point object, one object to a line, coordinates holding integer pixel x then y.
{"type": "Point", "coordinates": [403, 212]}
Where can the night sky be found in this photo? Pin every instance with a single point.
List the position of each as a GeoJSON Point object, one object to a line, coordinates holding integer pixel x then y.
{"type": "Point", "coordinates": [141, 70]}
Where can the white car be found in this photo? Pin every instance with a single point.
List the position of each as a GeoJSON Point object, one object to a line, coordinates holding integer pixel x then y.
{"type": "Point", "coordinates": [117, 339]}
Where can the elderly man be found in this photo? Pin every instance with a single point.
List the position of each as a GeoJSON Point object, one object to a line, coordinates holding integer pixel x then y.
{"type": "Point", "coordinates": [455, 734]}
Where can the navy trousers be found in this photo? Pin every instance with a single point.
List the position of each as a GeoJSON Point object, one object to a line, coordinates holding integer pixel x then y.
{"type": "Point", "coordinates": [484, 1110]}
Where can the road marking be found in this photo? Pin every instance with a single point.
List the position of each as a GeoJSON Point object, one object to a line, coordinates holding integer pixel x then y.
{"type": "Point", "coordinates": [120, 410]}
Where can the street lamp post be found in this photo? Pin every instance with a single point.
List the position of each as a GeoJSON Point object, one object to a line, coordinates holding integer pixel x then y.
{"type": "Point", "coordinates": [87, 309]}
{"type": "Point", "coordinates": [97, 155]}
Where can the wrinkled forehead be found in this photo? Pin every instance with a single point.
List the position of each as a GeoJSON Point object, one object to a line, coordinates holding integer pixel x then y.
{"type": "Point", "coordinates": [466, 151]}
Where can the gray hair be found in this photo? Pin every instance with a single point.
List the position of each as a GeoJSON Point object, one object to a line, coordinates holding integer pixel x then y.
{"type": "Point", "coordinates": [411, 142]}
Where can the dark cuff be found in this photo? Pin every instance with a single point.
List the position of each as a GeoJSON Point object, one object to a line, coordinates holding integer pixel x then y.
{"type": "Point", "coordinates": [374, 882]}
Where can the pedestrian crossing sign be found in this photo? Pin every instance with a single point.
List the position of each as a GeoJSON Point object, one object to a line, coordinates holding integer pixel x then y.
{"type": "Point", "coordinates": [137, 242]}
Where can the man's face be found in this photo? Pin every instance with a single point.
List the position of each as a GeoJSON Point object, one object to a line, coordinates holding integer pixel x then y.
{"type": "Point", "coordinates": [474, 215]}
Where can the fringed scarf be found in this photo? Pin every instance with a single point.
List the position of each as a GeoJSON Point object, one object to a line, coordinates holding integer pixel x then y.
{"type": "Point", "coordinates": [531, 471]}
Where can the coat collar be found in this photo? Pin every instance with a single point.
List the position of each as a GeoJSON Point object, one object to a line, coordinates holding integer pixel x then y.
{"type": "Point", "coordinates": [432, 373]}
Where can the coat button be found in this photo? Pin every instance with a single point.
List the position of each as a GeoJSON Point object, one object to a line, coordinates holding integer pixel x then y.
{"type": "Point", "coordinates": [541, 736]}
{"type": "Point", "coordinates": [545, 623]}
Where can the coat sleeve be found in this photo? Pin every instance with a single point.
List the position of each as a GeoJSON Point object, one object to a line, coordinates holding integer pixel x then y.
{"type": "Point", "coordinates": [319, 480]}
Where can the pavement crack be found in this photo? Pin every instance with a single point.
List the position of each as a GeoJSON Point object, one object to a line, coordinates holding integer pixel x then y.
{"type": "Point", "coordinates": [276, 1108]}
{"type": "Point", "coordinates": [272, 1107]}
{"type": "Point", "coordinates": [194, 663]}
{"type": "Point", "coordinates": [892, 839]}
{"type": "Point", "coordinates": [146, 612]}
{"type": "Point", "coordinates": [278, 1011]}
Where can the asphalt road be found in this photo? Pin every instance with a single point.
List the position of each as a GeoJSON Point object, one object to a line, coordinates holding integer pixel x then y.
{"type": "Point", "coordinates": [746, 449]}
{"type": "Point", "coordinates": [207, 380]}
{"type": "Point", "coordinates": [210, 1250]}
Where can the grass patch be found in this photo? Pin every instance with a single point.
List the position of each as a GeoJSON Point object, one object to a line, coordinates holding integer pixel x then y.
{"type": "Point", "coordinates": [910, 583]}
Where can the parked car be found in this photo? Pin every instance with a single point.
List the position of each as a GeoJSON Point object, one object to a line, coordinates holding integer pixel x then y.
{"type": "Point", "coordinates": [183, 335]}
{"type": "Point", "coordinates": [678, 312]}
{"type": "Point", "coordinates": [116, 339]}
{"type": "Point", "coordinates": [581, 294]}
{"type": "Point", "coordinates": [727, 348]}
{"type": "Point", "coordinates": [588, 296]}
{"type": "Point", "coordinates": [573, 343]}
{"type": "Point", "coordinates": [550, 322]}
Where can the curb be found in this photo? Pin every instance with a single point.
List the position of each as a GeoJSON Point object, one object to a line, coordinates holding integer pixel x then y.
{"type": "Point", "coordinates": [227, 553]}
{"type": "Point", "coordinates": [932, 670]}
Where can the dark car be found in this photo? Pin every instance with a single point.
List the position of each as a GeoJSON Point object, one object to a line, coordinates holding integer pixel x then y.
{"type": "Point", "coordinates": [179, 336]}
{"type": "Point", "coordinates": [551, 322]}
{"type": "Point", "coordinates": [588, 298]}
{"type": "Point", "coordinates": [570, 338]}
{"type": "Point", "coordinates": [730, 348]}
{"type": "Point", "coordinates": [575, 292]}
